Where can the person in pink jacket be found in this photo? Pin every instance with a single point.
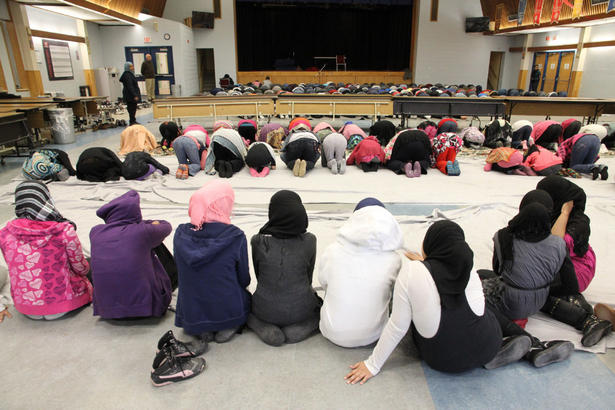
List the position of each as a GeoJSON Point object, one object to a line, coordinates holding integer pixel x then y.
{"type": "Point", "coordinates": [47, 268]}
{"type": "Point", "coordinates": [542, 161]}
{"type": "Point", "coordinates": [368, 155]}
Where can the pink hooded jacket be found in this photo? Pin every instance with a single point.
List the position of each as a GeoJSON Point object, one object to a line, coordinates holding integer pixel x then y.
{"type": "Point", "coordinates": [541, 159]}
{"type": "Point", "coordinates": [46, 266]}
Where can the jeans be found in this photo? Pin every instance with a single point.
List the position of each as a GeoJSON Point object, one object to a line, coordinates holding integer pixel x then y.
{"type": "Point", "coordinates": [584, 153]}
{"type": "Point", "coordinates": [187, 153]}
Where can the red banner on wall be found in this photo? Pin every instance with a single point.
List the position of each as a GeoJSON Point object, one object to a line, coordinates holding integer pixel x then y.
{"type": "Point", "coordinates": [557, 9]}
{"type": "Point", "coordinates": [538, 11]}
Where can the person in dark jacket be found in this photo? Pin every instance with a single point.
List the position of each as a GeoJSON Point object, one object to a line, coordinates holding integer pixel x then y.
{"type": "Point", "coordinates": [410, 154]}
{"type": "Point", "coordinates": [535, 78]}
{"type": "Point", "coordinates": [383, 130]}
{"type": "Point", "coordinates": [131, 92]}
{"type": "Point", "coordinates": [129, 279]}
{"type": "Point", "coordinates": [285, 307]}
{"type": "Point", "coordinates": [212, 261]}
{"type": "Point", "coordinates": [99, 164]}
{"type": "Point", "coordinates": [140, 165]}
{"type": "Point", "coordinates": [149, 73]}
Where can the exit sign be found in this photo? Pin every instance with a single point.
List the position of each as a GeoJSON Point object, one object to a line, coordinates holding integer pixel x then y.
{"type": "Point", "coordinates": [147, 39]}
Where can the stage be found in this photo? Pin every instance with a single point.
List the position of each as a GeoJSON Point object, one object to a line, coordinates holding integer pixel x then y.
{"type": "Point", "coordinates": [321, 77]}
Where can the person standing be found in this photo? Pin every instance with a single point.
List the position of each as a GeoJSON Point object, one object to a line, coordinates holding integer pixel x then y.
{"type": "Point", "coordinates": [535, 78]}
{"type": "Point", "coordinates": [131, 92]}
{"type": "Point", "coordinates": [149, 73]}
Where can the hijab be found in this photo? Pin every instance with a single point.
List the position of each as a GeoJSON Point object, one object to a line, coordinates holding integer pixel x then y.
{"type": "Point", "coordinates": [33, 201]}
{"type": "Point", "coordinates": [562, 191]}
{"type": "Point", "coordinates": [127, 66]}
{"type": "Point", "coordinates": [213, 202]}
{"type": "Point", "coordinates": [532, 223]}
{"type": "Point", "coordinates": [383, 130]}
{"type": "Point", "coordinates": [368, 202]}
{"type": "Point", "coordinates": [287, 216]}
{"type": "Point", "coordinates": [571, 127]}
{"type": "Point", "coordinates": [448, 257]}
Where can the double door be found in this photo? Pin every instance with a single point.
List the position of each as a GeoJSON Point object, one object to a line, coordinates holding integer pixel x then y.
{"type": "Point", "coordinates": [555, 69]}
{"type": "Point", "coordinates": [162, 57]}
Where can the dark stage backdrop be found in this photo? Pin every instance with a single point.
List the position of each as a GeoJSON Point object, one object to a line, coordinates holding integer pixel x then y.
{"type": "Point", "coordinates": [372, 37]}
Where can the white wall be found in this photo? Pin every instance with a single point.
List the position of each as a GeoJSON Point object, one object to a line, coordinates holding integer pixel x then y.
{"type": "Point", "coordinates": [47, 21]}
{"type": "Point", "coordinates": [598, 80]}
{"type": "Point", "coordinates": [96, 45]}
{"type": "Point", "coordinates": [114, 39]}
{"type": "Point", "coordinates": [221, 38]}
{"type": "Point", "coordinates": [446, 54]}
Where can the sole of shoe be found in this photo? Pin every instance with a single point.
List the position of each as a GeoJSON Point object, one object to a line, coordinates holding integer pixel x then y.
{"type": "Point", "coordinates": [296, 167]}
{"type": "Point", "coordinates": [555, 354]}
{"type": "Point", "coordinates": [512, 352]}
{"type": "Point", "coordinates": [302, 168]}
{"type": "Point", "coordinates": [592, 339]}
{"type": "Point", "coordinates": [605, 312]}
{"type": "Point", "coordinates": [178, 377]}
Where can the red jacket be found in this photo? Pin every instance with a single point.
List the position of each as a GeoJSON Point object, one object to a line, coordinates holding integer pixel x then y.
{"type": "Point", "coordinates": [365, 151]}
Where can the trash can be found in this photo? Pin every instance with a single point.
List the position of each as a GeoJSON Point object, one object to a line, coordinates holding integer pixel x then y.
{"type": "Point", "coordinates": [62, 125]}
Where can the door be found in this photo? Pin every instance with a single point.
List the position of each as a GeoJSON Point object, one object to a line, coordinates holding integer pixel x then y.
{"type": "Point", "coordinates": [162, 57]}
{"type": "Point", "coordinates": [565, 70]}
{"type": "Point", "coordinates": [495, 70]}
{"type": "Point", "coordinates": [206, 68]}
{"type": "Point", "coordinates": [550, 73]}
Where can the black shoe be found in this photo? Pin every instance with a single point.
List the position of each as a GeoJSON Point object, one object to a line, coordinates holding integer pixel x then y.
{"type": "Point", "coordinates": [595, 173]}
{"type": "Point", "coordinates": [580, 301]}
{"type": "Point", "coordinates": [594, 330]}
{"type": "Point", "coordinates": [553, 351]}
{"type": "Point", "coordinates": [512, 350]}
{"type": "Point", "coordinates": [178, 348]}
{"type": "Point", "coordinates": [604, 172]}
{"type": "Point", "coordinates": [175, 369]}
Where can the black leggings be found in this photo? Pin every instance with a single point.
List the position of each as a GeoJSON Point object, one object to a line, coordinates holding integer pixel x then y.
{"type": "Point", "coordinates": [168, 263]}
{"type": "Point", "coordinates": [305, 149]}
{"type": "Point", "coordinates": [131, 107]}
{"type": "Point", "coordinates": [223, 154]}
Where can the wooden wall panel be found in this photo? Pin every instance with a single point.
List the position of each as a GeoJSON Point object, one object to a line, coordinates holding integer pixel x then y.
{"type": "Point", "coordinates": [155, 7]}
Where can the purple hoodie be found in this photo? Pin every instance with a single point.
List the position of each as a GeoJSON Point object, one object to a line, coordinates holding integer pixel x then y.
{"type": "Point", "coordinates": [129, 280]}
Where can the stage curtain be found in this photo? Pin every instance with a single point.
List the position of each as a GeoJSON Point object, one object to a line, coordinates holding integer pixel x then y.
{"type": "Point", "coordinates": [371, 37]}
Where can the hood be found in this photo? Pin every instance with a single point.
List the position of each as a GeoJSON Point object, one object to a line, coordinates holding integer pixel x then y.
{"type": "Point", "coordinates": [201, 247]}
{"type": "Point", "coordinates": [124, 209]}
{"type": "Point", "coordinates": [371, 228]}
{"type": "Point", "coordinates": [598, 130]}
{"type": "Point", "coordinates": [31, 231]}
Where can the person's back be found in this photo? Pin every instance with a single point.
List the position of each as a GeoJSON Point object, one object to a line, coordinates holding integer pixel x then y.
{"type": "Point", "coordinates": [358, 272]}
{"type": "Point", "coordinates": [212, 262]}
{"type": "Point", "coordinates": [129, 279]}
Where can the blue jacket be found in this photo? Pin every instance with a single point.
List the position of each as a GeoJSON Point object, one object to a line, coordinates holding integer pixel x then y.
{"type": "Point", "coordinates": [213, 269]}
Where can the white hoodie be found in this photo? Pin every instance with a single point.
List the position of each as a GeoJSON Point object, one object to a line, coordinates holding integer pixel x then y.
{"type": "Point", "coordinates": [358, 272]}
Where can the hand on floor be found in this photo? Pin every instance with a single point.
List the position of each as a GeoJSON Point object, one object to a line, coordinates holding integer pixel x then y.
{"type": "Point", "coordinates": [359, 373]}
{"type": "Point", "coordinates": [5, 313]}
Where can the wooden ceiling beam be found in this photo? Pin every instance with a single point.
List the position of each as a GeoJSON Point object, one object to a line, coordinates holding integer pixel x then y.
{"type": "Point", "coordinates": [126, 14]}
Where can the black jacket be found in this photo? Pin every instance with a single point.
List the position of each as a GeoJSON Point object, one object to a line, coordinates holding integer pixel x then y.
{"type": "Point", "coordinates": [131, 87]}
{"type": "Point", "coordinates": [136, 165]}
{"type": "Point", "coordinates": [99, 165]}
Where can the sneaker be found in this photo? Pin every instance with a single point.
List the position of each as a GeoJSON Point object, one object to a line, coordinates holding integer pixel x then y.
{"type": "Point", "coordinates": [417, 169]}
{"type": "Point", "coordinates": [254, 172]}
{"type": "Point", "coordinates": [512, 350]}
{"type": "Point", "coordinates": [296, 167]}
{"type": "Point", "coordinates": [332, 165]}
{"type": "Point", "coordinates": [604, 172]}
{"type": "Point", "coordinates": [341, 166]}
{"type": "Point", "coordinates": [594, 330]}
{"type": "Point", "coordinates": [178, 348]}
{"type": "Point", "coordinates": [605, 312]}
{"type": "Point", "coordinates": [553, 351]}
{"type": "Point", "coordinates": [302, 168]}
{"type": "Point", "coordinates": [408, 170]}
{"type": "Point", "coordinates": [264, 172]}
{"type": "Point", "coordinates": [182, 172]}
{"type": "Point", "coordinates": [175, 369]}
{"type": "Point", "coordinates": [595, 173]}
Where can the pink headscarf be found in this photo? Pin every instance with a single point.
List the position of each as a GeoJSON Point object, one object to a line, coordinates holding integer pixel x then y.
{"type": "Point", "coordinates": [213, 202]}
{"type": "Point", "coordinates": [349, 130]}
{"type": "Point", "coordinates": [222, 124]}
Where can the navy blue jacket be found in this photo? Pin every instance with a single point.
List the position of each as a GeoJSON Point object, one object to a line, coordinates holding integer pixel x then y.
{"type": "Point", "coordinates": [213, 272]}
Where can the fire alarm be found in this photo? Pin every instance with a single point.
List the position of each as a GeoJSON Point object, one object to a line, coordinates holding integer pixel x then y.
{"type": "Point", "coordinates": [166, 36]}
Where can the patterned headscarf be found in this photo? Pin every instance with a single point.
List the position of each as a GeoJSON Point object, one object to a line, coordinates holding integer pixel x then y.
{"type": "Point", "coordinates": [33, 201]}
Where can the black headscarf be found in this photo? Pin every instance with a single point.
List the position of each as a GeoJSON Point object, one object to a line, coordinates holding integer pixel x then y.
{"type": "Point", "coordinates": [572, 129]}
{"type": "Point", "coordinates": [287, 216]}
{"type": "Point", "coordinates": [562, 191]}
{"type": "Point", "coordinates": [448, 257]}
{"type": "Point", "coordinates": [537, 196]}
{"type": "Point", "coordinates": [383, 130]}
{"type": "Point", "coordinates": [550, 135]}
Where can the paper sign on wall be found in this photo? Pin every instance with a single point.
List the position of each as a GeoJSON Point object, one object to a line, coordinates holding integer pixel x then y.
{"type": "Point", "coordinates": [552, 66]}
{"type": "Point", "coordinates": [566, 66]}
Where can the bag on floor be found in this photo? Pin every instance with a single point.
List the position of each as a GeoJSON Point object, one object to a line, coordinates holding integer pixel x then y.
{"type": "Point", "coordinates": [498, 133]}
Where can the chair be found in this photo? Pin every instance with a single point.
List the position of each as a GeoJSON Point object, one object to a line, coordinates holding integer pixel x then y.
{"type": "Point", "coordinates": [340, 60]}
